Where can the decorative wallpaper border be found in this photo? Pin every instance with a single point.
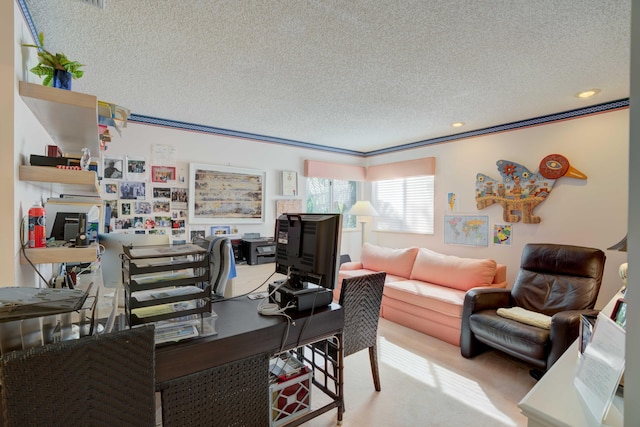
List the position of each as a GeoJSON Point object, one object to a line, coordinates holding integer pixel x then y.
{"type": "Point", "coordinates": [594, 109]}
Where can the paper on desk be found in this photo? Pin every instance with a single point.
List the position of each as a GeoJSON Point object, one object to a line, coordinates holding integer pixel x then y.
{"type": "Point", "coordinates": [601, 367]}
{"type": "Point", "coordinates": [152, 294]}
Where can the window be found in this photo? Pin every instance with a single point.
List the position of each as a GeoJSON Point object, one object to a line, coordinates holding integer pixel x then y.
{"type": "Point", "coordinates": [332, 196]}
{"type": "Point", "coordinates": [404, 204]}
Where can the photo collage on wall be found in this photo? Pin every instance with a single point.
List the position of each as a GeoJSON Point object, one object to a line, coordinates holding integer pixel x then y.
{"type": "Point", "coordinates": [145, 197]}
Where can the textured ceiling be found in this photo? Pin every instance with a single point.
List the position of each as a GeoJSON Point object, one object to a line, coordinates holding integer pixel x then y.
{"type": "Point", "coordinates": [362, 75]}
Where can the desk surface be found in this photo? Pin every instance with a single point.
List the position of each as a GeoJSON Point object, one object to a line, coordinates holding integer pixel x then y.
{"type": "Point", "coordinates": [555, 401]}
{"type": "Point", "coordinates": [243, 332]}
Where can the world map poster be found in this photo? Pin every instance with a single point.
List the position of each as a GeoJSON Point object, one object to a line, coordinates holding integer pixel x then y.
{"type": "Point", "coordinates": [471, 230]}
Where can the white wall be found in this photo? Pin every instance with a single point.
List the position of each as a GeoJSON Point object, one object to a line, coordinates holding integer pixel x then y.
{"type": "Point", "coordinates": [586, 213]}
{"type": "Point", "coordinates": [19, 134]}
{"type": "Point", "coordinates": [195, 147]}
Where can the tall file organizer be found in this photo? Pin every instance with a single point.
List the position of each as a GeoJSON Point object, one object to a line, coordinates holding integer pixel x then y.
{"type": "Point", "coordinates": [168, 285]}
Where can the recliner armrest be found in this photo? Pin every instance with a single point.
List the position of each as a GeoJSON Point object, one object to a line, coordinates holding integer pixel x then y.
{"type": "Point", "coordinates": [477, 299]}
{"type": "Point", "coordinates": [565, 328]}
{"type": "Point", "coordinates": [485, 298]}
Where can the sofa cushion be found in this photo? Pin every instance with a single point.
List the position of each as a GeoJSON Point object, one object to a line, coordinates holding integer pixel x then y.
{"type": "Point", "coordinates": [396, 262]}
{"type": "Point", "coordinates": [436, 298]}
{"type": "Point", "coordinates": [452, 271]}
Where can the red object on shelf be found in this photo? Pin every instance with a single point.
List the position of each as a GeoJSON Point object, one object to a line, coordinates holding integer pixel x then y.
{"type": "Point", "coordinates": [53, 151]}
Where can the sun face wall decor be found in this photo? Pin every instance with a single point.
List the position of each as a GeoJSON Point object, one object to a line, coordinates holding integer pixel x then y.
{"type": "Point", "coordinates": [521, 190]}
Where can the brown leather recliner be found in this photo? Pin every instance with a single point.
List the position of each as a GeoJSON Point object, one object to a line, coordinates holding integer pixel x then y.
{"type": "Point", "coordinates": [561, 281]}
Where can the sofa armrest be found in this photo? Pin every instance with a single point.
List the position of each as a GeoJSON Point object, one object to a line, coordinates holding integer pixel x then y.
{"type": "Point", "coordinates": [565, 328]}
{"type": "Point", "coordinates": [351, 265]}
{"type": "Point", "coordinates": [500, 279]}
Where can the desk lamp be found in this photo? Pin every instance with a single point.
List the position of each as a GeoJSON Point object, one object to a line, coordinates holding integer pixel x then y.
{"type": "Point", "coordinates": [622, 270]}
{"type": "Point", "coordinates": [364, 210]}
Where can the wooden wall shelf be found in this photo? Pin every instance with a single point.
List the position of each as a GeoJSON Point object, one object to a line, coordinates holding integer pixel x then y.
{"type": "Point", "coordinates": [60, 254]}
{"type": "Point", "coordinates": [62, 180]}
{"type": "Point", "coordinates": [71, 118]}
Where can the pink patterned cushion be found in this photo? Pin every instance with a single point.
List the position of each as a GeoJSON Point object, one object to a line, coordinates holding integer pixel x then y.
{"type": "Point", "coordinates": [397, 262]}
{"type": "Point", "coordinates": [452, 271]}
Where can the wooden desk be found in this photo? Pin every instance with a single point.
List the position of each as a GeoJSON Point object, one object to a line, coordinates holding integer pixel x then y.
{"type": "Point", "coordinates": [243, 332]}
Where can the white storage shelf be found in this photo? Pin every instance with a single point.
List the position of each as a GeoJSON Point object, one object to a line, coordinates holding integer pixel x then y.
{"type": "Point", "coordinates": [61, 180]}
{"type": "Point", "coordinates": [71, 118]}
{"type": "Point", "coordinates": [60, 254]}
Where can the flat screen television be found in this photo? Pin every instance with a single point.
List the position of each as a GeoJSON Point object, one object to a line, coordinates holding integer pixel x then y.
{"type": "Point", "coordinates": [308, 248]}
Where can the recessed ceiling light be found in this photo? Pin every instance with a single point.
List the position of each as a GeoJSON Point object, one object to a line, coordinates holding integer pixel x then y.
{"type": "Point", "coordinates": [588, 93]}
{"type": "Point", "coordinates": [457, 124]}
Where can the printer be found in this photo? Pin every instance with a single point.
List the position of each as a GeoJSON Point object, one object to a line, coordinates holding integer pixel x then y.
{"type": "Point", "coordinates": [260, 250]}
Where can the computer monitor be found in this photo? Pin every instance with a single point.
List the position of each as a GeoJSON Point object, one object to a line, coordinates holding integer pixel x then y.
{"type": "Point", "coordinates": [308, 248]}
{"type": "Point", "coordinates": [110, 261]}
{"type": "Point", "coordinates": [62, 219]}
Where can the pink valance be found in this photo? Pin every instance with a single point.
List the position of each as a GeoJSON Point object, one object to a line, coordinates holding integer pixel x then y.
{"type": "Point", "coordinates": [405, 169]}
{"type": "Point", "coordinates": [318, 169]}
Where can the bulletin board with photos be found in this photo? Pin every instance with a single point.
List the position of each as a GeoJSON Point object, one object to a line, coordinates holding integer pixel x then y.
{"type": "Point", "coordinates": [145, 195]}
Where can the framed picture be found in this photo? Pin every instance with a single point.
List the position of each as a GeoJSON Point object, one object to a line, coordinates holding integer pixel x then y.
{"type": "Point", "coordinates": [162, 192]}
{"type": "Point", "coordinates": [219, 194]}
{"type": "Point", "coordinates": [136, 168]}
{"type": "Point", "coordinates": [133, 190]}
{"type": "Point", "coordinates": [289, 181]}
{"type": "Point", "coordinates": [451, 202]}
{"type": "Point", "coordinates": [502, 234]}
{"type": "Point", "coordinates": [587, 323]}
{"type": "Point", "coordinates": [619, 313]}
{"type": "Point", "coordinates": [288, 206]}
{"type": "Point", "coordinates": [163, 173]}
{"type": "Point", "coordinates": [113, 167]}
{"type": "Point", "coordinates": [220, 230]}
{"type": "Point", "coordinates": [471, 230]}
{"type": "Point", "coordinates": [111, 189]}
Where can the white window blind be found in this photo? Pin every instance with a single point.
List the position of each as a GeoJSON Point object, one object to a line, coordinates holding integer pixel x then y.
{"type": "Point", "coordinates": [404, 204]}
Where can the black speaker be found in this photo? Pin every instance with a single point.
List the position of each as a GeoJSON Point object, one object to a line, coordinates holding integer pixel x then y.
{"type": "Point", "coordinates": [82, 239]}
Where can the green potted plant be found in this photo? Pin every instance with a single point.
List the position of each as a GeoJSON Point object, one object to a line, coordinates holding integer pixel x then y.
{"type": "Point", "coordinates": [56, 69]}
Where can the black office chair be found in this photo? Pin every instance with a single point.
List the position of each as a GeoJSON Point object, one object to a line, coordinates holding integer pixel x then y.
{"type": "Point", "coordinates": [99, 380]}
{"type": "Point", "coordinates": [221, 257]}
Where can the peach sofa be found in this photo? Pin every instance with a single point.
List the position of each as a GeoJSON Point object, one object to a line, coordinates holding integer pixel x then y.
{"type": "Point", "coordinates": [424, 290]}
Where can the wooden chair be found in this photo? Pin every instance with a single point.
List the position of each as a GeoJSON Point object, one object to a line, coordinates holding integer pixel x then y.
{"type": "Point", "coordinates": [361, 298]}
{"type": "Point", "coordinates": [100, 380]}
